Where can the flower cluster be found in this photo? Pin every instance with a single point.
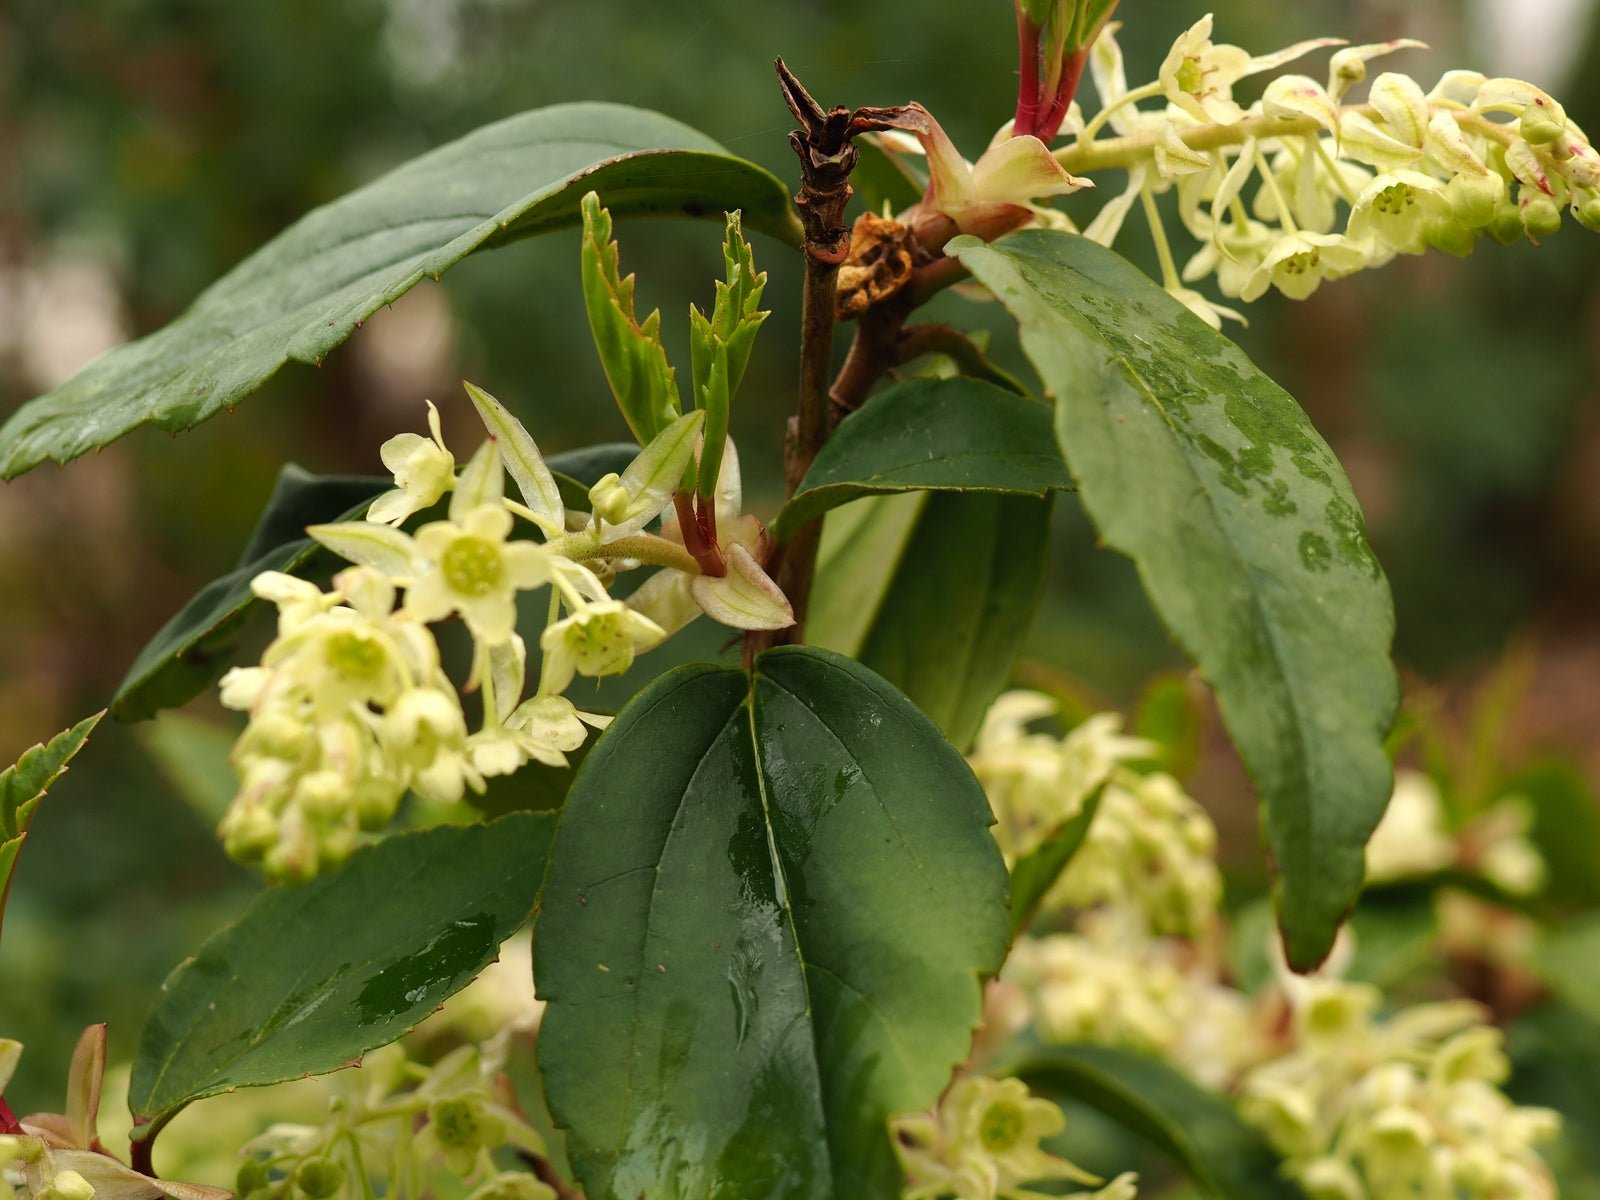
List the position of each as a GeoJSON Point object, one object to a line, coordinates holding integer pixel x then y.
{"type": "Point", "coordinates": [1111, 983]}
{"type": "Point", "coordinates": [392, 1127]}
{"type": "Point", "coordinates": [1362, 1108]}
{"type": "Point", "coordinates": [1339, 186]}
{"type": "Point", "coordinates": [982, 1143]}
{"type": "Point", "coordinates": [350, 707]}
{"type": "Point", "coordinates": [1149, 846]}
{"type": "Point", "coordinates": [1409, 1106]}
{"type": "Point", "coordinates": [1413, 839]}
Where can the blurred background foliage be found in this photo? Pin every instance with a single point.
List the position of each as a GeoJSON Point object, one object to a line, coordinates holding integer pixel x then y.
{"type": "Point", "coordinates": [148, 145]}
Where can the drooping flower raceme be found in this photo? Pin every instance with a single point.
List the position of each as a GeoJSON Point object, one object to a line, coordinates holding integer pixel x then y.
{"type": "Point", "coordinates": [1262, 187]}
{"type": "Point", "coordinates": [350, 706]}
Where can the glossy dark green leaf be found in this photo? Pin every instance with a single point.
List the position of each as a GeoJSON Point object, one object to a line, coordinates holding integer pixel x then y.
{"type": "Point", "coordinates": [1033, 875]}
{"type": "Point", "coordinates": [308, 289]}
{"type": "Point", "coordinates": [1247, 538]}
{"type": "Point", "coordinates": [957, 434]}
{"type": "Point", "coordinates": [935, 593]}
{"type": "Point", "coordinates": [24, 784]}
{"type": "Point", "coordinates": [192, 650]}
{"type": "Point", "coordinates": [312, 977]}
{"type": "Point", "coordinates": [768, 910]}
{"type": "Point", "coordinates": [1198, 1129]}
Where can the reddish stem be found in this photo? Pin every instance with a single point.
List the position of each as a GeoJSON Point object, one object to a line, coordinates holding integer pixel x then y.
{"type": "Point", "coordinates": [700, 534]}
{"type": "Point", "coordinates": [1027, 75]}
{"type": "Point", "coordinates": [1071, 75]}
{"type": "Point", "coordinates": [8, 1119]}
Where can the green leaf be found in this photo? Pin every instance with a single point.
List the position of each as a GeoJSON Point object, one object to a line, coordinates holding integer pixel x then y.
{"type": "Point", "coordinates": [719, 347]}
{"type": "Point", "coordinates": [192, 650]}
{"type": "Point", "coordinates": [1035, 873]}
{"type": "Point", "coordinates": [311, 287]}
{"type": "Point", "coordinates": [1196, 1128]}
{"type": "Point", "coordinates": [24, 784]}
{"type": "Point", "coordinates": [312, 977]}
{"type": "Point", "coordinates": [644, 383]}
{"type": "Point", "coordinates": [1247, 539]}
{"type": "Point", "coordinates": [937, 601]}
{"type": "Point", "coordinates": [769, 907]}
{"type": "Point", "coordinates": [960, 435]}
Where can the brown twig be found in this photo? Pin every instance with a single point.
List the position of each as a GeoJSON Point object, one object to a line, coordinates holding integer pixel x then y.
{"type": "Point", "coordinates": [827, 157]}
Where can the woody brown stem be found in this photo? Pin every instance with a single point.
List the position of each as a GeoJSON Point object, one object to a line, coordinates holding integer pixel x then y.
{"type": "Point", "coordinates": [826, 160]}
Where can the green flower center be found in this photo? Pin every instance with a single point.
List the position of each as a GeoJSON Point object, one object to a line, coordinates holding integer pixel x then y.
{"type": "Point", "coordinates": [472, 566]}
{"type": "Point", "coordinates": [1299, 264]}
{"type": "Point", "coordinates": [1191, 76]}
{"type": "Point", "coordinates": [455, 1123]}
{"type": "Point", "coordinates": [1395, 199]}
{"type": "Point", "coordinates": [1000, 1127]}
{"type": "Point", "coordinates": [356, 655]}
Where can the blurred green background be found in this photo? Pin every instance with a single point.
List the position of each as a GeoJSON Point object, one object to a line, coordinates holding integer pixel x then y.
{"type": "Point", "coordinates": [148, 145]}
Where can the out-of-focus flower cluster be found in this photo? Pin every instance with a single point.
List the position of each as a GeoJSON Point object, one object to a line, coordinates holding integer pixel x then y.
{"type": "Point", "coordinates": [393, 1126]}
{"type": "Point", "coordinates": [982, 1143]}
{"type": "Point", "coordinates": [1363, 1106]}
{"type": "Point", "coordinates": [1405, 1106]}
{"type": "Point", "coordinates": [1337, 186]}
{"type": "Point", "coordinates": [1149, 846]}
{"type": "Point", "coordinates": [1413, 839]}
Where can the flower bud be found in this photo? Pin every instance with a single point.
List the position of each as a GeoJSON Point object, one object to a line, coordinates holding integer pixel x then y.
{"type": "Point", "coordinates": [253, 1176]}
{"type": "Point", "coordinates": [1541, 216]}
{"type": "Point", "coordinates": [1507, 227]}
{"type": "Point", "coordinates": [66, 1185]}
{"type": "Point", "coordinates": [1452, 237]}
{"type": "Point", "coordinates": [320, 1178]}
{"type": "Point", "coordinates": [248, 833]}
{"type": "Point", "coordinates": [1588, 213]}
{"type": "Point", "coordinates": [1474, 199]}
{"type": "Point", "coordinates": [1543, 122]}
{"type": "Point", "coordinates": [609, 499]}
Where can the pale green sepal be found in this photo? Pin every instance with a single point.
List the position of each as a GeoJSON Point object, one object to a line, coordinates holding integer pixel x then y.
{"type": "Point", "coordinates": [508, 671]}
{"type": "Point", "coordinates": [744, 598]}
{"type": "Point", "coordinates": [385, 550]}
{"type": "Point", "coordinates": [483, 481]}
{"type": "Point", "coordinates": [83, 1085]}
{"type": "Point", "coordinates": [521, 457]}
{"type": "Point", "coordinates": [631, 353]}
{"type": "Point", "coordinates": [651, 478]}
{"type": "Point", "coordinates": [113, 1181]}
{"type": "Point", "coordinates": [10, 1054]}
